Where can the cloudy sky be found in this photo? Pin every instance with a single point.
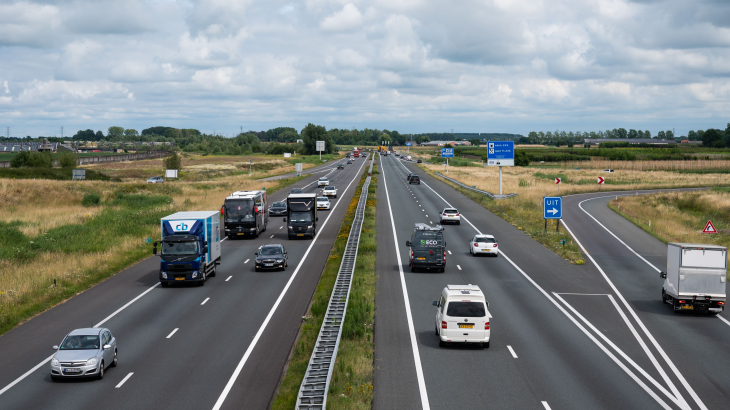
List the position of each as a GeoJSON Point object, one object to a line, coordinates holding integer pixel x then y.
{"type": "Point", "coordinates": [411, 65]}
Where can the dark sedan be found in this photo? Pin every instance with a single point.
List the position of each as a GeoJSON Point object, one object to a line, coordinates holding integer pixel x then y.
{"type": "Point", "coordinates": [277, 209]}
{"type": "Point", "coordinates": [271, 257]}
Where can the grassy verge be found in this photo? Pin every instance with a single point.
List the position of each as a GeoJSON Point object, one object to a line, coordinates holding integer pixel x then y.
{"type": "Point", "coordinates": [314, 159]}
{"type": "Point", "coordinates": [288, 389]}
{"type": "Point", "coordinates": [60, 174]}
{"type": "Point", "coordinates": [104, 241]}
{"type": "Point", "coordinates": [678, 216]}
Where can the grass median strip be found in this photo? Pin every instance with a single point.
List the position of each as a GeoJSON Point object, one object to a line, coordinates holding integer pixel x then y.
{"type": "Point", "coordinates": [354, 360]}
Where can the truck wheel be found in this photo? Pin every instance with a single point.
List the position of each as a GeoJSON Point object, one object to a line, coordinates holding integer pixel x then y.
{"type": "Point", "coordinates": [202, 282]}
{"type": "Point", "coordinates": [164, 284]}
{"type": "Point", "coordinates": [664, 297]}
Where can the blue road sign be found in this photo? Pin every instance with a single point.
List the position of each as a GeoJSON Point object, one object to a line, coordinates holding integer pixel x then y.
{"type": "Point", "coordinates": [501, 153]}
{"type": "Point", "coordinates": [408, 144]}
{"type": "Point", "coordinates": [447, 152]}
{"type": "Point", "coordinates": [552, 207]}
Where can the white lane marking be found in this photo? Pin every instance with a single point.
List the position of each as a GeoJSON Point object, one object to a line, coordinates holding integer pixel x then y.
{"type": "Point", "coordinates": [544, 404]}
{"type": "Point", "coordinates": [229, 278]}
{"type": "Point", "coordinates": [724, 320]}
{"type": "Point", "coordinates": [224, 239]}
{"type": "Point", "coordinates": [252, 345]}
{"type": "Point", "coordinates": [206, 299]}
{"type": "Point", "coordinates": [582, 294]}
{"type": "Point", "coordinates": [427, 217]}
{"type": "Point", "coordinates": [619, 351]}
{"type": "Point", "coordinates": [458, 267]}
{"type": "Point", "coordinates": [449, 252]}
{"type": "Point", "coordinates": [124, 380]}
{"type": "Point", "coordinates": [423, 210]}
{"type": "Point", "coordinates": [649, 336]}
{"type": "Point", "coordinates": [36, 367]}
{"type": "Point", "coordinates": [572, 319]}
{"type": "Point", "coordinates": [430, 221]}
{"type": "Point", "coordinates": [511, 350]}
{"type": "Point", "coordinates": [271, 236]}
{"type": "Point", "coordinates": [280, 227]}
{"type": "Point", "coordinates": [409, 317]}
{"type": "Point", "coordinates": [247, 260]}
{"type": "Point", "coordinates": [172, 333]}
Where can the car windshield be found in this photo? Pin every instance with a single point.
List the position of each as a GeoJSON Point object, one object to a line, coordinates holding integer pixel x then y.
{"type": "Point", "coordinates": [427, 239]}
{"type": "Point", "coordinates": [80, 342]}
{"type": "Point", "coordinates": [329, 188]}
{"type": "Point", "coordinates": [322, 199]}
{"type": "Point", "coordinates": [278, 205]}
{"type": "Point", "coordinates": [238, 210]}
{"type": "Point", "coordinates": [270, 250]}
{"type": "Point", "coordinates": [180, 248]}
{"type": "Point", "coordinates": [451, 211]}
{"type": "Point", "coordinates": [466, 309]}
{"type": "Point", "coordinates": [486, 240]}
{"type": "Point", "coordinates": [300, 217]}
{"type": "Point", "coordinates": [296, 191]}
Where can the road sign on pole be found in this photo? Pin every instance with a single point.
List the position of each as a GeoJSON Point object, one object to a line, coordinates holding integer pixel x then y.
{"type": "Point", "coordinates": [552, 207]}
{"type": "Point", "coordinates": [447, 153]}
{"type": "Point", "coordinates": [558, 181]}
{"type": "Point", "coordinates": [709, 230]}
{"type": "Point", "coordinates": [601, 180]}
{"type": "Point", "coordinates": [320, 148]}
{"type": "Point", "coordinates": [501, 153]}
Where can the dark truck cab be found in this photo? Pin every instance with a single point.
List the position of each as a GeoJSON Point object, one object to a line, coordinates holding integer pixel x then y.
{"type": "Point", "coordinates": [427, 248]}
{"type": "Point", "coordinates": [301, 215]}
{"type": "Point", "coordinates": [245, 213]}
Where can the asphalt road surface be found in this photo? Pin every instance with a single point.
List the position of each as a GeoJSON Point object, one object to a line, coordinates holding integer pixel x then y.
{"type": "Point", "coordinates": [595, 336]}
{"type": "Point", "coordinates": [223, 345]}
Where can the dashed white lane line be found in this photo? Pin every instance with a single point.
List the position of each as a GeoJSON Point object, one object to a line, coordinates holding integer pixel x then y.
{"type": "Point", "coordinates": [430, 221]}
{"type": "Point", "coordinates": [511, 350]}
{"type": "Point", "coordinates": [458, 267]}
{"type": "Point", "coordinates": [280, 227]}
{"type": "Point", "coordinates": [544, 404]}
{"type": "Point", "coordinates": [423, 210]}
{"type": "Point", "coordinates": [271, 236]}
{"type": "Point", "coordinates": [229, 278]}
{"type": "Point", "coordinates": [206, 299]}
{"type": "Point", "coordinates": [446, 251]}
{"type": "Point", "coordinates": [224, 239]}
{"type": "Point", "coordinates": [427, 217]}
{"type": "Point", "coordinates": [724, 320]}
{"type": "Point", "coordinates": [247, 260]}
{"type": "Point", "coordinates": [124, 380]}
{"type": "Point", "coordinates": [172, 333]}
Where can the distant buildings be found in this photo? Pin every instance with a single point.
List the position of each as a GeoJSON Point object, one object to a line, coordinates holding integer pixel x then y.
{"type": "Point", "coordinates": [632, 141]}
{"type": "Point", "coordinates": [444, 143]}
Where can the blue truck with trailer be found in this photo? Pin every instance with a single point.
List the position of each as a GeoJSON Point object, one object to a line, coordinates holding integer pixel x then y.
{"type": "Point", "coordinates": [190, 247]}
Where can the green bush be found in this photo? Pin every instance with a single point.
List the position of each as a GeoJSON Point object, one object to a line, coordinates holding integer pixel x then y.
{"type": "Point", "coordinates": [32, 159]}
{"type": "Point", "coordinates": [67, 159]}
{"type": "Point", "coordinates": [64, 174]}
{"type": "Point", "coordinates": [174, 161]}
{"type": "Point", "coordinates": [91, 199]}
{"type": "Point", "coordinates": [521, 158]}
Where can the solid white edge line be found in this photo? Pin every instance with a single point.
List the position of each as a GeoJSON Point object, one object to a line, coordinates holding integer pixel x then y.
{"type": "Point", "coordinates": [512, 351]}
{"type": "Point", "coordinates": [206, 299]}
{"type": "Point", "coordinates": [252, 345]}
{"type": "Point", "coordinates": [645, 330]}
{"type": "Point", "coordinates": [124, 380]}
{"type": "Point", "coordinates": [36, 367]}
{"type": "Point", "coordinates": [229, 278]}
{"type": "Point", "coordinates": [172, 333]}
{"type": "Point", "coordinates": [572, 319]}
{"type": "Point", "coordinates": [412, 333]}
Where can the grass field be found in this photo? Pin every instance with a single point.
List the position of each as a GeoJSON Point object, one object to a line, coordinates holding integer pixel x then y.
{"type": "Point", "coordinates": [47, 232]}
{"type": "Point", "coordinates": [679, 216]}
{"type": "Point", "coordinates": [351, 386]}
{"type": "Point", "coordinates": [532, 184]}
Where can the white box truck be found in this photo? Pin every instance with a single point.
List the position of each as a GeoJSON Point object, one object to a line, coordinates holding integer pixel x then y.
{"type": "Point", "coordinates": [695, 277]}
{"type": "Point", "coordinates": [190, 247]}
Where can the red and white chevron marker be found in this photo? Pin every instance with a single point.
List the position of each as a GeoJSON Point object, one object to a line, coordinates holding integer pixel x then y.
{"type": "Point", "coordinates": [558, 180]}
{"type": "Point", "coordinates": [601, 180]}
{"type": "Point", "coordinates": [709, 228]}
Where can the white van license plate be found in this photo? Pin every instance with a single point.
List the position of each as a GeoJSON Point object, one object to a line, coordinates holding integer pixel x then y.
{"type": "Point", "coordinates": [486, 250]}
{"type": "Point", "coordinates": [466, 326]}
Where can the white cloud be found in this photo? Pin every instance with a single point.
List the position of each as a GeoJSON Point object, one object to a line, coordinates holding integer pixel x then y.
{"type": "Point", "coordinates": [349, 18]}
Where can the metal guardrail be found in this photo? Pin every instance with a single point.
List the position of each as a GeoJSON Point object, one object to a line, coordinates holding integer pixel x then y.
{"type": "Point", "coordinates": [479, 191]}
{"type": "Point", "coordinates": [314, 388]}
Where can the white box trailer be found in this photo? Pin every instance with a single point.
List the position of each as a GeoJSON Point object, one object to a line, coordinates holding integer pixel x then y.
{"type": "Point", "coordinates": [696, 277]}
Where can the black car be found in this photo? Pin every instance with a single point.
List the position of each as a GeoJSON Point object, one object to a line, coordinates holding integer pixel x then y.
{"type": "Point", "coordinates": [277, 208]}
{"type": "Point", "coordinates": [414, 179]}
{"type": "Point", "coordinates": [271, 257]}
{"type": "Point", "coordinates": [340, 166]}
{"type": "Point", "coordinates": [419, 162]}
{"type": "Point", "coordinates": [296, 191]}
{"type": "Point", "coordinates": [349, 162]}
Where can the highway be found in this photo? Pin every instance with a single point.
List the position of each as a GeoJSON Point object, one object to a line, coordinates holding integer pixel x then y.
{"type": "Point", "coordinates": [564, 336]}
{"type": "Point", "coordinates": [223, 345]}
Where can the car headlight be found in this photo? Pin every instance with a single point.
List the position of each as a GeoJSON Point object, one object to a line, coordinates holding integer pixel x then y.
{"type": "Point", "coordinates": [195, 274]}
{"type": "Point", "coordinates": [280, 261]}
{"type": "Point", "coordinates": [91, 362]}
{"type": "Point", "coordinates": [309, 227]}
{"type": "Point", "coordinates": [253, 229]}
{"type": "Point", "coordinates": [55, 362]}
{"type": "Point", "coordinates": [290, 227]}
{"type": "Point", "coordinates": [164, 275]}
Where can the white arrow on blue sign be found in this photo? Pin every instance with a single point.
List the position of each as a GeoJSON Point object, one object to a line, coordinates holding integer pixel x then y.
{"type": "Point", "coordinates": [552, 207]}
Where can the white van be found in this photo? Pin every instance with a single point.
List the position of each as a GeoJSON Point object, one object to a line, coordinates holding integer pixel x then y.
{"type": "Point", "coordinates": [462, 315]}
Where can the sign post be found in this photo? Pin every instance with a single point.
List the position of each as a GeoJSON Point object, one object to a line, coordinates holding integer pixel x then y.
{"type": "Point", "coordinates": [709, 230]}
{"type": "Point", "coordinates": [447, 153]}
{"type": "Point", "coordinates": [298, 167]}
{"type": "Point", "coordinates": [600, 181]}
{"type": "Point", "coordinates": [558, 181]}
{"type": "Point", "coordinates": [408, 144]}
{"type": "Point", "coordinates": [552, 208]}
{"type": "Point", "coordinates": [501, 153]}
{"type": "Point", "coordinates": [320, 148]}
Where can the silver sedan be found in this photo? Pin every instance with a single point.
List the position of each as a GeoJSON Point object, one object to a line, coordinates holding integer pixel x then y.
{"type": "Point", "coordinates": [84, 353]}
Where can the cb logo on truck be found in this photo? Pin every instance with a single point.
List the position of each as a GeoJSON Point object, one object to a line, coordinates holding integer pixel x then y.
{"type": "Point", "coordinates": [181, 227]}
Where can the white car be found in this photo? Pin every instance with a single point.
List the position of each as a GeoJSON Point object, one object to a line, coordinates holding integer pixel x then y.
{"type": "Point", "coordinates": [330, 190]}
{"type": "Point", "coordinates": [155, 180]}
{"type": "Point", "coordinates": [323, 202]}
{"type": "Point", "coordinates": [607, 170]}
{"type": "Point", "coordinates": [483, 244]}
{"type": "Point", "coordinates": [323, 182]}
{"type": "Point", "coordinates": [451, 215]}
{"type": "Point", "coordinates": [462, 316]}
